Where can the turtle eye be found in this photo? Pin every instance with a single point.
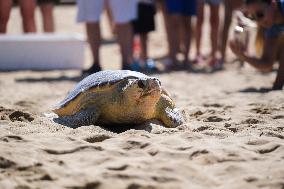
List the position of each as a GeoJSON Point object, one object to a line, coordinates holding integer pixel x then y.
{"type": "Point", "coordinates": [141, 84]}
{"type": "Point", "coordinates": [158, 81]}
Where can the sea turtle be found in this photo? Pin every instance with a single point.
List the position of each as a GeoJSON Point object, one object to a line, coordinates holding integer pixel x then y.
{"type": "Point", "coordinates": [118, 97]}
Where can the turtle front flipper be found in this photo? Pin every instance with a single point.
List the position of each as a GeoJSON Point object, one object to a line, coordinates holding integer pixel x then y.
{"type": "Point", "coordinates": [168, 113]}
{"type": "Point", "coordinates": [84, 117]}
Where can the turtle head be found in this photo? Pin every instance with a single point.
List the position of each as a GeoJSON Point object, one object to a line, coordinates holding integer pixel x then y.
{"type": "Point", "coordinates": [142, 90]}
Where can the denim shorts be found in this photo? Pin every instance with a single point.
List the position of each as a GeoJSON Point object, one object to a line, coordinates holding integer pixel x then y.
{"type": "Point", "coordinates": [182, 7]}
{"type": "Point", "coordinates": [213, 2]}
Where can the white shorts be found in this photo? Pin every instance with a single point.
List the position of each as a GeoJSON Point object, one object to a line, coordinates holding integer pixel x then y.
{"type": "Point", "coordinates": [123, 11]}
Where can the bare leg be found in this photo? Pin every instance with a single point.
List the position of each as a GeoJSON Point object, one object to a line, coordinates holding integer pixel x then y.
{"type": "Point", "coordinates": [144, 47]}
{"type": "Point", "coordinates": [186, 32]}
{"type": "Point", "coordinates": [166, 22]}
{"type": "Point", "coordinates": [125, 40]}
{"type": "Point", "coordinates": [5, 8]}
{"type": "Point", "coordinates": [28, 15]}
{"type": "Point", "coordinates": [94, 38]}
{"type": "Point", "coordinates": [279, 81]}
{"type": "Point", "coordinates": [226, 27]}
{"type": "Point", "coordinates": [110, 17]}
{"type": "Point", "coordinates": [214, 23]}
{"type": "Point", "coordinates": [47, 15]}
{"type": "Point", "coordinates": [200, 17]}
{"type": "Point", "coordinates": [175, 21]}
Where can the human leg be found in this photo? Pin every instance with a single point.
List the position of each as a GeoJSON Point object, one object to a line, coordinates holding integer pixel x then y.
{"type": "Point", "coordinates": [28, 15]}
{"type": "Point", "coordinates": [123, 20]}
{"type": "Point", "coordinates": [214, 25]}
{"type": "Point", "coordinates": [144, 46]}
{"type": "Point", "coordinates": [94, 38]}
{"type": "Point", "coordinates": [168, 28]}
{"type": "Point", "coordinates": [279, 81]}
{"type": "Point", "coordinates": [175, 34]}
{"type": "Point", "coordinates": [110, 17]}
{"type": "Point", "coordinates": [89, 12]}
{"type": "Point", "coordinates": [144, 24]}
{"type": "Point", "coordinates": [199, 24]}
{"type": "Point", "coordinates": [46, 9]}
{"type": "Point", "coordinates": [226, 27]}
{"type": "Point", "coordinates": [176, 22]}
{"type": "Point", "coordinates": [186, 32]}
{"type": "Point", "coordinates": [5, 8]}
{"type": "Point", "coordinates": [125, 39]}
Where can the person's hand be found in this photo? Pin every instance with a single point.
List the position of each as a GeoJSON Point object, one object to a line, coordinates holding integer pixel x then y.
{"type": "Point", "coordinates": [238, 48]}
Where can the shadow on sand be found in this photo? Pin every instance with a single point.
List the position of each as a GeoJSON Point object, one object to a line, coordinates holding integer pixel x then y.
{"type": "Point", "coordinates": [117, 128]}
{"type": "Point", "coordinates": [255, 90]}
{"type": "Point", "coordinates": [51, 79]}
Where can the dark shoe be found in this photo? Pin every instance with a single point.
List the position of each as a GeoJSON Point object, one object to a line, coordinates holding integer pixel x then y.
{"type": "Point", "coordinates": [93, 69]}
{"type": "Point", "coordinates": [135, 66]}
{"type": "Point", "coordinates": [187, 65]}
{"type": "Point", "coordinates": [126, 66]}
{"type": "Point", "coordinates": [216, 64]}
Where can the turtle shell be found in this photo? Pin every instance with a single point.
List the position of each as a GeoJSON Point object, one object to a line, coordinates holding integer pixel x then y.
{"type": "Point", "coordinates": [100, 79]}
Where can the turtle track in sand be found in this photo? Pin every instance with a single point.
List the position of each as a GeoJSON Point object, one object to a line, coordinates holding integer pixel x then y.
{"type": "Point", "coordinates": [15, 115]}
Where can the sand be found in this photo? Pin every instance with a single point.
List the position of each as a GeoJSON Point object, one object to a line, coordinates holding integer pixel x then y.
{"type": "Point", "coordinates": [233, 137]}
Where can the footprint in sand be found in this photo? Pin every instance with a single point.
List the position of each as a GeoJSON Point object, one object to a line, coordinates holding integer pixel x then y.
{"type": "Point", "coordinates": [261, 110]}
{"type": "Point", "coordinates": [257, 142]}
{"type": "Point", "coordinates": [251, 179]}
{"type": "Point", "coordinates": [6, 163]}
{"type": "Point", "coordinates": [89, 185]}
{"type": "Point", "coordinates": [15, 115]}
{"type": "Point", "coordinates": [278, 117]}
{"type": "Point", "coordinates": [163, 179]}
{"type": "Point", "coordinates": [97, 138]}
{"type": "Point", "coordinates": [10, 138]}
{"type": "Point", "coordinates": [118, 168]}
{"type": "Point", "coordinates": [139, 186]}
{"type": "Point", "coordinates": [197, 114]}
{"type": "Point", "coordinates": [251, 121]}
{"type": "Point", "coordinates": [132, 144]}
{"type": "Point", "coordinates": [268, 149]}
{"type": "Point", "coordinates": [202, 128]}
{"type": "Point", "coordinates": [21, 116]}
{"type": "Point", "coordinates": [213, 119]}
{"type": "Point", "coordinates": [214, 105]}
{"type": "Point", "coordinates": [74, 150]}
{"type": "Point", "coordinates": [40, 174]}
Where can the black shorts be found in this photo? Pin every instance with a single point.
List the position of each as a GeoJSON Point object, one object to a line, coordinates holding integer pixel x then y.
{"type": "Point", "coordinates": [46, 1]}
{"type": "Point", "coordinates": [145, 21]}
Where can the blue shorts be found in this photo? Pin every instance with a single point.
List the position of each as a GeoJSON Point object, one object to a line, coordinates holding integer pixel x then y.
{"type": "Point", "coordinates": [213, 2]}
{"type": "Point", "coordinates": [182, 7]}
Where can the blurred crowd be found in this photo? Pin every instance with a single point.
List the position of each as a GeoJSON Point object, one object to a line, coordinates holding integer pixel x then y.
{"type": "Point", "coordinates": [133, 20]}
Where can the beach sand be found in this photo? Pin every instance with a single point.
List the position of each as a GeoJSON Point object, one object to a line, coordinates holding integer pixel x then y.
{"type": "Point", "coordinates": [233, 137]}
